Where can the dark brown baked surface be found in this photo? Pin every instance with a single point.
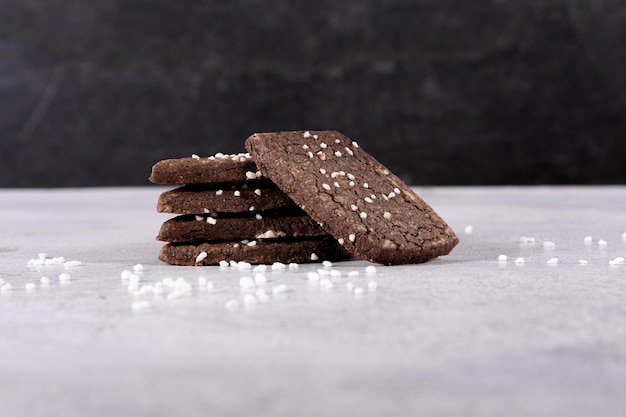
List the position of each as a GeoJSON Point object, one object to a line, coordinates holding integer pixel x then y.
{"type": "Point", "coordinates": [368, 209]}
{"type": "Point", "coordinates": [259, 252]}
{"type": "Point", "coordinates": [196, 228]}
{"type": "Point", "coordinates": [213, 169]}
{"type": "Point", "coordinates": [241, 197]}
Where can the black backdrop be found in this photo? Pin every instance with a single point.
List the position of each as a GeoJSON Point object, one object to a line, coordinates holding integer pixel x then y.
{"type": "Point", "coordinates": [442, 92]}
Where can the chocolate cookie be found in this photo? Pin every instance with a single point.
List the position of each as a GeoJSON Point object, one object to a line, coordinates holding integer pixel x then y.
{"type": "Point", "coordinates": [206, 228]}
{"type": "Point", "coordinates": [355, 198]}
{"type": "Point", "coordinates": [254, 252]}
{"type": "Point", "coordinates": [204, 198]}
{"type": "Point", "coordinates": [196, 170]}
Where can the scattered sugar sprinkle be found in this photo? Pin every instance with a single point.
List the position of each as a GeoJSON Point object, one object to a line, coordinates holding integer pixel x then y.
{"type": "Point", "coordinates": [519, 261]}
{"type": "Point", "coordinates": [363, 215]}
{"type": "Point", "coordinates": [244, 265]}
{"type": "Point", "coordinates": [231, 305]}
{"type": "Point", "coordinates": [335, 273]}
{"type": "Point", "coordinates": [278, 266]}
{"type": "Point", "coordinates": [313, 276]}
{"type": "Point", "coordinates": [602, 243]}
{"type": "Point", "coordinates": [6, 287]}
{"type": "Point", "coordinates": [352, 237]}
{"type": "Point", "coordinates": [249, 300]}
{"type": "Point", "coordinates": [548, 244]}
{"type": "Point", "coordinates": [250, 175]}
{"type": "Point", "coordinates": [387, 215]}
{"type": "Point", "coordinates": [322, 171]}
{"type": "Point", "coordinates": [617, 261]}
{"type": "Point", "coordinates": [237, 193]}
{"type": "Point", "coordinates": [323, 145]}
{"type": "Point", "coordinates": [354, 273]}
{"type": "Point", "coordinates": [349, 286]}
{"type": "Point", "coordinates": [314, 257]}
{"type": "Point", "coordinates": [259, 278]}
{"type": "Point", "coordinates": [583, 262]}
{"type": "Point", "coordinates": [141, 305]}
{"type": "Point", "coordinates": [624, 236]}
{"type": "Point", "coordinates": [258, 217]}
{"type": "Point", "coordinates": [353, 207]}
{"type": "Point", "coordinates": [64, 277]}
{"type": "Point", "coordinates": [201, 256]}
{"type": "Point", "coordinates": [358, 291]}
{"type": "Point", "coordinates": [246, 283]}
{"type": "Point", "coordinates": [199, 218]}
{"type": "Point", "coordinates": [370, 269]}
{"type": "Point", "coordinates": [260, 268]}
{"type": "Point", "coordinates": [366, 185]}
{"type": "Point", "coordinates": [326, 187]}
{"type": "Point", "coordinates": [525, 240]}
{"type": "Point", "coordinates": [368, 200]}
{"type": "Point", "coordinates": [44, 280]}
{"type": "Point", "coordinates": [211, 220]}
{"type": "Point", "coordinates": [251, 243]}
{"type": "Point", "coordinates": [194, 156]}
{"type": "Point", "coordinates": [553, 261]}
{"type": "Point", "coordinates": [588, 240]}
{"type": "Point", "coordinates": [469, 229]}
{"type": "Point", "coordinates": [219, 192]}
{"type": "Point", "coordinates": [280, 289]}
{"type": "Point", "coordinates": [258, 192]}
{"type": "Point", "coordinates": [29, 286]}
{"type": "Point", "coordinates": [372, 286]}
{"type": "Point", "coordinates": [223, 264]}
{"type": "Point", "coordinates": [327, 264]}
{"type": "Point", "coordinates": [138, 267]}
{"type": "Point", "coordinates": [338, 154]}
{"type": "Point", "coordinates": [326, 284]}
{"type": "Point", "coordinates": [261, 295]}
{"type": "Point", "coordinates": [293, 265]}
{"type": "Point", "coordinates": [502, 258]}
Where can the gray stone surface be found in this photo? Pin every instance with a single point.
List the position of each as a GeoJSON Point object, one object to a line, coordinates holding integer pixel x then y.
{"type": "Point", "coordinates": [445, 92]}
{"type": "Point", "coordinates": [463, 335]}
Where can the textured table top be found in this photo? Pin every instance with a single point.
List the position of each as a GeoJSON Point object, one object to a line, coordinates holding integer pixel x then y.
{"type": "Point", "coordinates": [466, 334]}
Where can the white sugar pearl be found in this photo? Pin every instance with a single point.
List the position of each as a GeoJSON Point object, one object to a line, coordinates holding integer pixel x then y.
{"type": "Point", "coordinates": [246, 283]}
{"type": "Point", "coordinates": [370, 269]}
{"type": "Point", "coordinates": [502, 258]}
{"type": "Point", "coordinates": [259, 279]}
{"type": "Point", "coordinates": [249, 300]}
{"type": "Point", "coordinates": [140, 305]}
{"type": "Point", "coordinates": [280, 289]}
{"type": "Point", "coordinates": [313, 276]}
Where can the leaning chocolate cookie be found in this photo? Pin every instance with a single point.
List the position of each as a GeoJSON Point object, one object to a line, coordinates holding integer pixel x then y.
{"type": "Point", "coordinates": [368, 209]}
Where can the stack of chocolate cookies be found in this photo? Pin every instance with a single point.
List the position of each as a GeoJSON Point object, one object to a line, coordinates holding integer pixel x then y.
{"type": "Point", "coordinates": [228, 211]}
{"type": "Point", "coordinates": [296, 196]}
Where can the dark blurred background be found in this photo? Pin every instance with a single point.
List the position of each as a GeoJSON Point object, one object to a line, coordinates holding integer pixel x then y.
{"type": "Point", "coordinates": [443, 92]}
